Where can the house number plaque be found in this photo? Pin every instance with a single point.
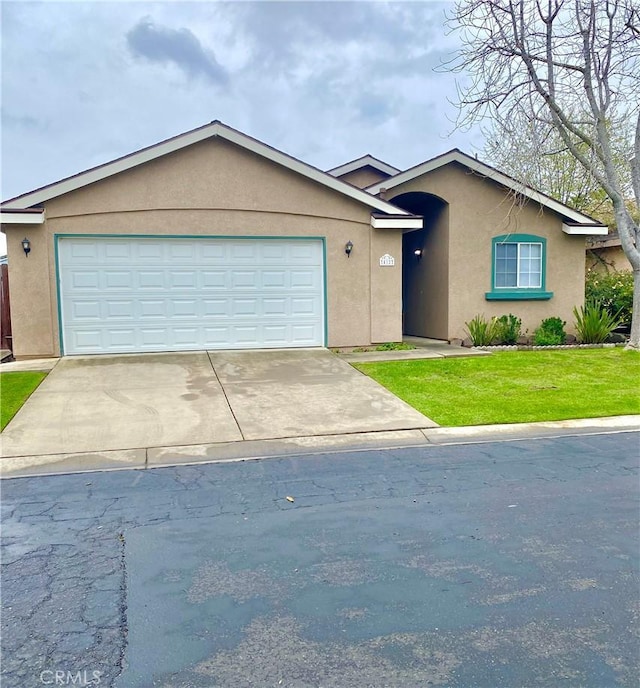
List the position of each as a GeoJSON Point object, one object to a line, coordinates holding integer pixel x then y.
{"type": "Point", "coordinates": [387, 261]}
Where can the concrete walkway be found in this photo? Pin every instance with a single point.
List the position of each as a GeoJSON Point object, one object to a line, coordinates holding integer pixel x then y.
{"type": "Point", "coordinates": [425, 348]}
{"type": "Point", "coordinates": [123, 406]}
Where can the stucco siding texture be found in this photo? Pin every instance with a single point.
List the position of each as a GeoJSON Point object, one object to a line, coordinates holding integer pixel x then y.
{"type": "Point", "coordinates": [480, 209]}
{"type": "Point", "coordinates": [212, 188]}
{"type": "Point", "coordinates": [386, 281]}
{"type": "Point", "coordinates": [363, 177]}
{"type": "Point", "coordinates": [607, 259]}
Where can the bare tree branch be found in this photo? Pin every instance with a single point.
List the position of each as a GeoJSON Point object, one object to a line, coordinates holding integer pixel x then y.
{"type": "Point", "coordinates": [567, 66]}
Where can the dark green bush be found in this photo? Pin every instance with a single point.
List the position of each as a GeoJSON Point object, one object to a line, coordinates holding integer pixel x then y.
{"type": "Point", "coordinates": [550, 333]}
{"type": "Point", "coordinates": [509, 328]}
{"type": "Point", "coordinates": [613, 291]}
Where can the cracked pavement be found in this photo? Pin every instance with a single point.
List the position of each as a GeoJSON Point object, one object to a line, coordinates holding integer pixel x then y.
{"type": "Point", "coordinates": [498, 564]}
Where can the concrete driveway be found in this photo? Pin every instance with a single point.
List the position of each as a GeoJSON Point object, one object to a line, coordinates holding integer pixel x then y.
{"type": "Point", "coordinates": [134, 402]}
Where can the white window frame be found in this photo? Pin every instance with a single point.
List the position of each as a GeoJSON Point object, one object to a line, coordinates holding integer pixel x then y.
{"type": "Point", "coordinates": [518, 263]}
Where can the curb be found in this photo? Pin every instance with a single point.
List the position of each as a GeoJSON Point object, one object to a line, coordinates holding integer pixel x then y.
{"type": "Point", "coordinates": [252, 450]}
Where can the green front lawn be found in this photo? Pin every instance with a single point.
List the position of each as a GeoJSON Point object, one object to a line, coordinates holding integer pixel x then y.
{"type": "Point", "coordinates": [516, 386]}
{"type": "Point", "coordinates": [15, 389]}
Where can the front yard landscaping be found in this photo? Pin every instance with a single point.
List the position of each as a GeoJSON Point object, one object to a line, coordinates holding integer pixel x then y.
{"type": "Point", "coordinates": [516, 387]}
{"type": "Point", "coordinates": [15, 389]}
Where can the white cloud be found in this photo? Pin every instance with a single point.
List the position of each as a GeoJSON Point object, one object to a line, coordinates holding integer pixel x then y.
{"type": "Point", "coordinates": [325, 82]}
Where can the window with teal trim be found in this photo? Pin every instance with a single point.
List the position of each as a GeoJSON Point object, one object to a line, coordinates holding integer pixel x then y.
{"type": "Point", "coordinates": [518, 268]}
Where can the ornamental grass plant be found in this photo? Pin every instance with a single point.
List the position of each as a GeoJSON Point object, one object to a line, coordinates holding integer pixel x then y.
{"type": "Point", "coordinates": [594, 324]}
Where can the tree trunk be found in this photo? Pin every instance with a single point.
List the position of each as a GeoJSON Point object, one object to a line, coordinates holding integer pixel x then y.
{"type": "Point", "coordinates": [634, 338]}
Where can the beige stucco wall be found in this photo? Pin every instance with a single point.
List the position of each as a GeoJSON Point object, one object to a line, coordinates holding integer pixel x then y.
{"type": "Point", "coordinates": [386, 280]}
{"type": "Point", "coordinates": [210, 188]}
{"type": "Point", "coordinates": [480, 209]}
{"type": "Point", "coordinates": [363, 177]}
{"type": "Point", "coordinates": [607, 259]}
{"type": "Point", "coordinates": [30, 292]}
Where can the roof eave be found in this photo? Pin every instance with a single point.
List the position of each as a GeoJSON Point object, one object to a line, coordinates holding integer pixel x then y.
{"type": "Point", "coordinates": [485, 170]}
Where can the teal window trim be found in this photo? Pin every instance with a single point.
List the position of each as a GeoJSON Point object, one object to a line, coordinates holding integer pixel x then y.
{"type": "Point", "coordinates": [518, 293]}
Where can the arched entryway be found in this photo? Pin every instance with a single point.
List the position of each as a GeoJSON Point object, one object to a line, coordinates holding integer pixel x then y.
{"type": "Point", "coordinates": [425, 266]}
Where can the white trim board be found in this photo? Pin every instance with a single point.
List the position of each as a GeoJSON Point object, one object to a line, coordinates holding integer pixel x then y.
{"type": "Point", "coordinates": [7, 217]}
{"type": "Point", "coordinates": [458, 156]}
{"type": "Point", "coordinates": [587, 230]}
{"type": "Point", "coordinates": [396, 222]}
{"type": "Point", "coordinates": [214, 129]}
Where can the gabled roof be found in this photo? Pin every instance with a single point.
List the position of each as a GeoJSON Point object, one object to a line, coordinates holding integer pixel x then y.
{"type": "Point", "coordinates": [364, 161]}
{"type": "Point", "coordinates": [214, 129]}
{"type": "Point", "coordinates": [484, 170]}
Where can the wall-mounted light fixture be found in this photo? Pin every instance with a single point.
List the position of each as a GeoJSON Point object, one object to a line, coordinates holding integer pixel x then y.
{"type": "Point", "coordinates": [418, 253]}
{"type": "Point", "coordinates": [348, 247]}
{"type": "Point", "coordinates": [26, 246]}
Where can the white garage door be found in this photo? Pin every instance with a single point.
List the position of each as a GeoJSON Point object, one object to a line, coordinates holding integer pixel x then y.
{"type": "Point", "coordinates": [136, 294]}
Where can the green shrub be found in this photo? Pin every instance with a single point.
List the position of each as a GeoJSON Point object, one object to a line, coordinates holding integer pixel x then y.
{"type": "Point", "coordinates": [550, 333]}
{"type": "Point", "coordinates": [594, 323]}
{"type": "Point", "coordinates": [509, 329]}
{"type": "Point", "coordinates": [613, 291]}
{"type": "Point", "coordinates": [481, 331]}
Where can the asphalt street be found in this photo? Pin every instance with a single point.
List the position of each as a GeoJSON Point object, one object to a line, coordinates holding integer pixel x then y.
{"type": "Point", "coordinates": [502, 564]}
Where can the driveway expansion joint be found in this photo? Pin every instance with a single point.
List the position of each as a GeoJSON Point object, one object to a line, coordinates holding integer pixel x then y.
{"type": "Point", "coordinates": [226, 396]}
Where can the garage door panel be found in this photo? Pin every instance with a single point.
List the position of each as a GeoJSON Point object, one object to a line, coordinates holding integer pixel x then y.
{"type": "Point", "coordinates": [274, 307]}
{"type": "Point", "coordinates": [84, 279]}
{"type": "Point", "coordinates": [273, 279]}
{"type": "Point", "coordinates": [148, 251]}
{"type": "Point", "coordinates": [181, 279]}
{"type": "Point", "coordinates": [220, 308]}
{"type": "Point", "coordinates": [86, 310]}
{"type": "Point", "coordinates": [303, 333]}
{"type": "Point", "coordinates": [304, 279]}
{"type": "Point", "coordinates": [127, 295]}
{"type": "Point", "coordinates": [87, 252]}
{"type": "Point", "coordinates": [116, 251]}
{"type": "Point", "coordinates": [243, 252]}
{"type": "Point", "coordinates": [150, 279]}
{"type": "Point", "coordinates": [181, 251]}
{"type": "Point", "coordinates": [303, 252]}
{"type": "Point", "coordinates": [214, 279]}
{"type": "Point", "coordinates": [119, 309]}
{"type": "Point", "coordinates": [244, 279]}
{"type": "Point", "coordinates": [117, 279]}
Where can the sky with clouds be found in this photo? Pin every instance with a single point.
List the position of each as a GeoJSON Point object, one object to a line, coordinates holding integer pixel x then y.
{"type": "Point", "coordinates": [86, 82]}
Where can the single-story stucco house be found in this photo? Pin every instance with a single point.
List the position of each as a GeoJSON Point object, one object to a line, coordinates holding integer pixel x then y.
{"type": "Point", "coordinates": [214, 240]}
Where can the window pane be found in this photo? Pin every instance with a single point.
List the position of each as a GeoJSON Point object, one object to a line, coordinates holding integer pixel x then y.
{"type": "Point", "coordinates": [506, 279]}
{"type": "Point", "coordinates": [530, 265]}
{"type": "Point", "coordinates": [506, 267]}
{"type": "Point", "coordinates": [506, 250]}
{"type": "Point", "coordinates": [535, 279]}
